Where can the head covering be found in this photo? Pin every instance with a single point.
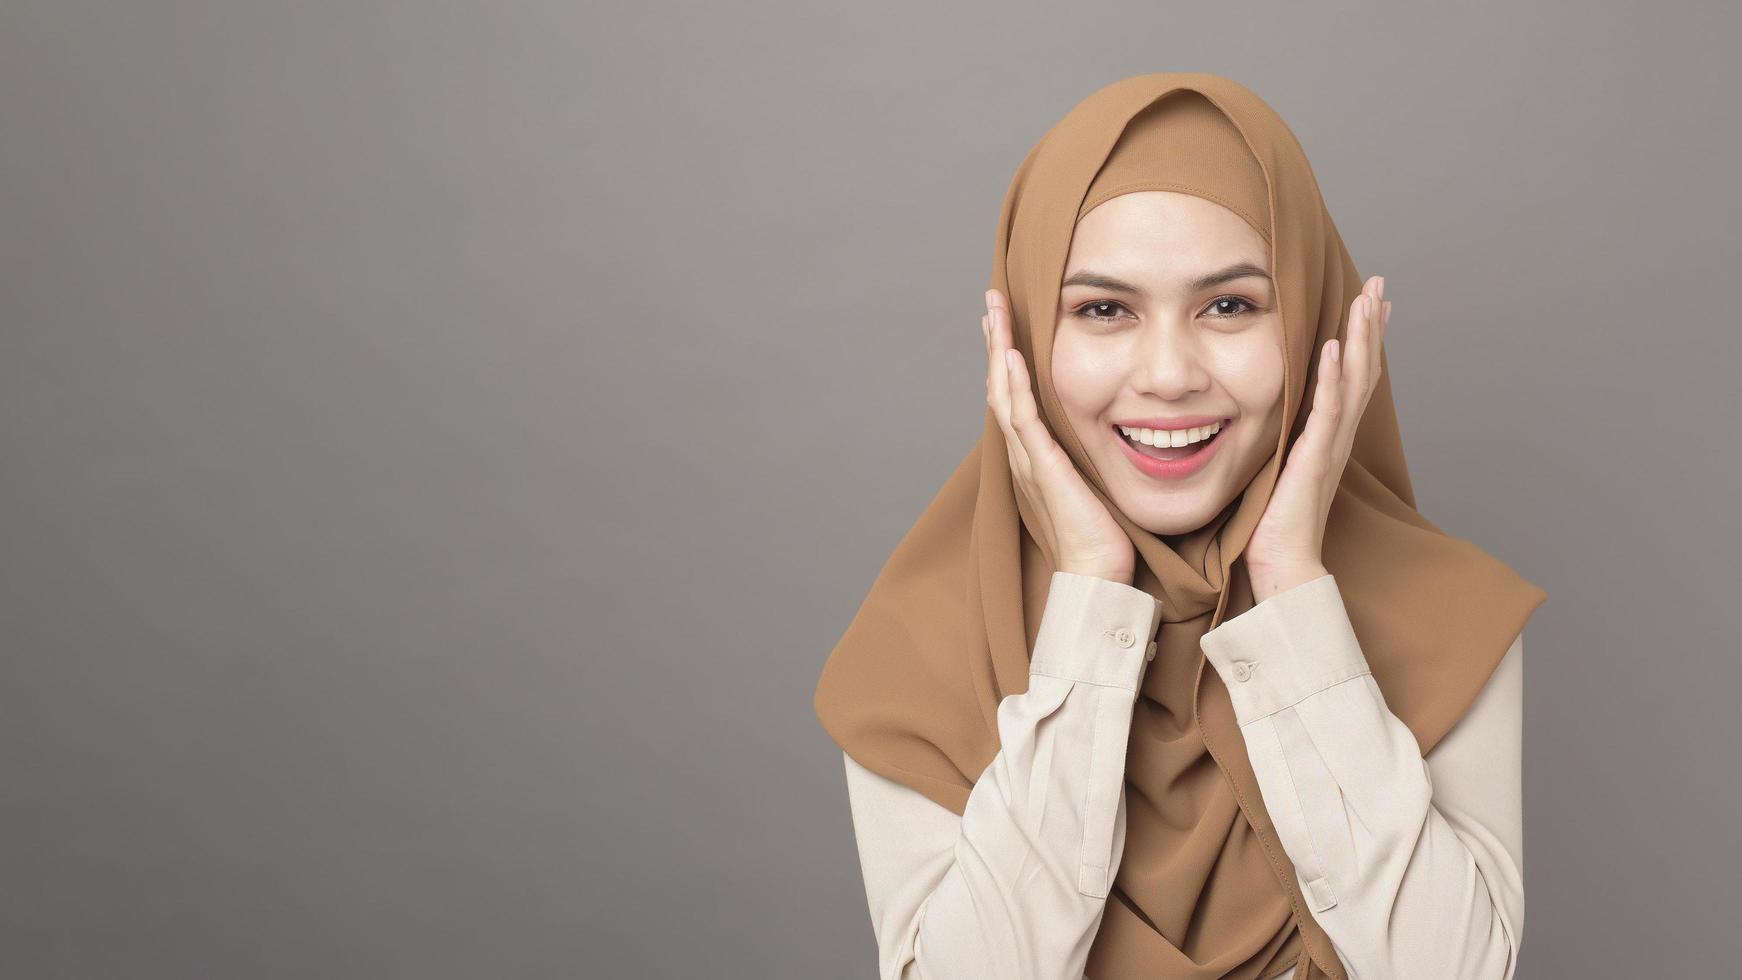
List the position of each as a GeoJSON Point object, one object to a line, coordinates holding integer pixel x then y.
{"type": "Point", "coordinates": [1205, 889]}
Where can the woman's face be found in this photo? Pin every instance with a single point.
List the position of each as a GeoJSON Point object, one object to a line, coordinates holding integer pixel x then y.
{"type": "Point", "coordinates": [1168, 316]}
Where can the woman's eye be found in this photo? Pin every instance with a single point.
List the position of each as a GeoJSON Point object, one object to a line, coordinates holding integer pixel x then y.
{"type": "Point", "coordinates": [1091, 310]}
{"type": "Point", "coordinates": [1218, 304]}
{"type": "Point", "coordinates": [1224, 307]}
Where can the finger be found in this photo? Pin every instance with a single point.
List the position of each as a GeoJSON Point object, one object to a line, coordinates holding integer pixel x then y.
{"type": "Point", "coordinates": [1024, 414]}
{"type": "Point", "coordinates": [1384, 328]}
{"type": "Point", "coordinates": [1357, 361]}
{"type": "Point", "coordinates": [1378, 345]}
{"type": "Point", "coordinates": [986, 342]}
{"type": "Point", "coordinates": [1370, 364]}
{"type": "Point", "coordinates": [1378, 327]}
{"type": "Point", "coordinates": [1327, 397]}
{"type": "Point", "coordinates": [1375, 340]}
{"type": "Point", "coordinates": [995, 369]}
{"type": "Point", "coordinates": [986, 335]}
{"type": "Point", "coordinates": [1000, 395]}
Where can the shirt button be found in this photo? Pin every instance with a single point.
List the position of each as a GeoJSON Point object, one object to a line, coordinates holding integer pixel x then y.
{"type": "Point", "coordinates": [1242, 670]}
{"type": "Point", "coordinates": [1124, 637]}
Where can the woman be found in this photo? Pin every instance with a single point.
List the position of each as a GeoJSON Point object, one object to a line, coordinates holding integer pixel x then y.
{"type": "Point", "coordinates": [1040, 791]}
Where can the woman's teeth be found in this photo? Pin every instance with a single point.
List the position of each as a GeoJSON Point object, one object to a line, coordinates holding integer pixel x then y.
{"type": "Point", "coordinates": [1165, 438]}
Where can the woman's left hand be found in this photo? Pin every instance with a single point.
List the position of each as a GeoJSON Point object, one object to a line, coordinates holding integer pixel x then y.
{"type": "Point", "coordinates": [1287, 547]}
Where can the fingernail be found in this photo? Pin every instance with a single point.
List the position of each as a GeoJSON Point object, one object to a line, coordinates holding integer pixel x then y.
{"type": "Point", "coordinates": [1010, 359]}
{"type": "Point", "coordinates": [1337, 351]}
{"type": "Point", "coordinates": [988, 299]}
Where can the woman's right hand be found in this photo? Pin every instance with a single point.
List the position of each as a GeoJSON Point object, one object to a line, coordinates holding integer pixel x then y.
{"type": "Point", "coordinates": [1077, 534]}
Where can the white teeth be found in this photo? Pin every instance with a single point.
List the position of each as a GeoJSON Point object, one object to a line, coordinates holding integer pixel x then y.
{"type": "Point", "coordinates": [1165, 438]}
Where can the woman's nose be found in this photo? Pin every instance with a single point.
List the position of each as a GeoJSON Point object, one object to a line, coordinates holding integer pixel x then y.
{"type": "Point", "coordinates": [1169, 364]}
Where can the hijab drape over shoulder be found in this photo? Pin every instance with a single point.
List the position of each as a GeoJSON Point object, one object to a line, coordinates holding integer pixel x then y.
{"type": "Point", "coordinates": [1205, 889]}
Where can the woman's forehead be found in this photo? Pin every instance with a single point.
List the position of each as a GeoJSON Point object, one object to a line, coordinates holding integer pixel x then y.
{"type": "Point", "coordinates": [1167, 219]}
{"type": "Point", "coordinates": [1144, 236]}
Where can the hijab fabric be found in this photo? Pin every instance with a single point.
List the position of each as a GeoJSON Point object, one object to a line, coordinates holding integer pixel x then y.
{"type": "Point", "coordinates": [1205, 889]}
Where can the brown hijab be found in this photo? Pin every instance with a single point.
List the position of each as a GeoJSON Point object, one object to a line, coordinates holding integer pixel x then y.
{"type": "Point", "coordinates": [1205, 889]}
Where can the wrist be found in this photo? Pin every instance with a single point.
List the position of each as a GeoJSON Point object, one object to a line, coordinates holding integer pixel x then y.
{"type": "Point", "coordinates": [1267, 582]}
{"type": "Point", "coordinates": [1123, 577]}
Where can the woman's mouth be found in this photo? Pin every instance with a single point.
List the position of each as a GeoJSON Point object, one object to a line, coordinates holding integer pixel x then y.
{"type": "Point", "coordinates": [1171, 462]}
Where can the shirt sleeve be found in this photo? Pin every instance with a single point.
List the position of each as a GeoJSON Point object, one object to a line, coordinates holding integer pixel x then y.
{"type": "Point", "coordinates": [1413, 866]}
{"type": "Point", "coordinates": [1014, 888]}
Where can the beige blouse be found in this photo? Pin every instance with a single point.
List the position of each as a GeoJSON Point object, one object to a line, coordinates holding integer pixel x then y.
{"type": "Point", "coordinates": [1413, 867]}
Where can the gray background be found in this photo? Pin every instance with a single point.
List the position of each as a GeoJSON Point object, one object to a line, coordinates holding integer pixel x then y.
{"type": "Point", "coordinates": [442, 443]}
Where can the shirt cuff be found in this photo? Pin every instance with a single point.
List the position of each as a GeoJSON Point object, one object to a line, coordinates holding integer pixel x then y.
{"type": "Point", "coordinates": [1096, 630]}
{"type": "Point", "coordinates": [1286, 648]}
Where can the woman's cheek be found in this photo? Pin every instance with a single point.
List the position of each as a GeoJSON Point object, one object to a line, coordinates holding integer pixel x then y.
{"type": "Point", "coordinates": [1251, 370]}
{"type": "Point", "coordinates": [1253, 375]}
{"type": "Point", "coordinates": [1082, 376]}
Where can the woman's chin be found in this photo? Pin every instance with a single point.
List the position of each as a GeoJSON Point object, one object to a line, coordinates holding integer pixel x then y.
{"type": "Point", "coordinates": [1177, 518]}
{"type": "Point", "coordinates": [1165, 513]}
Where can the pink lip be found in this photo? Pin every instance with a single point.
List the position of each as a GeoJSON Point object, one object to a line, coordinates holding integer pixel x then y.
{"type": "Point", "coordinates": [1174, 469]}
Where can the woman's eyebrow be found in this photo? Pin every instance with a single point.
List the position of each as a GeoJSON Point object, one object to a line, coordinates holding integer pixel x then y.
{"type": "Point", "coordinates": [1097, 280]}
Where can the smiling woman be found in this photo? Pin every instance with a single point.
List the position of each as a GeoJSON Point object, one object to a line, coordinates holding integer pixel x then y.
{"type": "Point", "coordinates": [1272, 787]}
{"type": "Point", "coordinates": [1170, 316]}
